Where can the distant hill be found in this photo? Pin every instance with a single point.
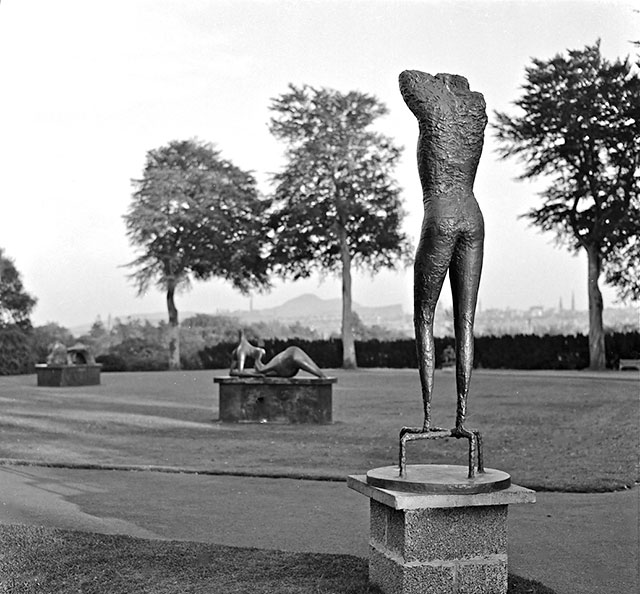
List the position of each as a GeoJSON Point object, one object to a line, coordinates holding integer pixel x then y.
{"type": "Point", "coordinates": [309, 306]}
{"type": "Point", "coordinates": [310, 310]}
{"type": "Point", "coordinates": [325, 316]}
{"type": "Point", "coordinates": [302, 306]}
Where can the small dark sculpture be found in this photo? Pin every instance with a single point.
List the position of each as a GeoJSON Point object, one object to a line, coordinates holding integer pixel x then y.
{"type": "Point", "coordinates": [78, 354]}
{"type": "Point", "coordinates": [452, 120]}
{"type": "Point", "coordinates": [448, 356]}
{"type": "Point", "coordinates": [57, 354]}
{"type": "Point", "coordinates": [285, 364]}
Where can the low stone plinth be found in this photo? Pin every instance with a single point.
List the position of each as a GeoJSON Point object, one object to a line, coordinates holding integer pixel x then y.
{"type": "Point", "coordinates": [275, 399]}
{"type": "Point", "coordinates": [68, 375]}
{"type": "Point", "coordinates": [439, 543]}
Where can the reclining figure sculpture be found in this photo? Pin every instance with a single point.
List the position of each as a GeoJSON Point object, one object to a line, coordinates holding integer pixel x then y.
{"type": "Point", "coordinates": [285, 364]}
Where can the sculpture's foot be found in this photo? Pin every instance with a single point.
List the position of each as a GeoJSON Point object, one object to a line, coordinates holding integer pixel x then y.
{"type": "Point", "coordinates": [476, 455]}
{"type": "Point", "coordinates": [426, 428]}
{"type": "Point", "coordinates": [461, 431]}
{"type": "Point", "coordinates": [411, 434]}
{"type": "Point", "coordinates": [420, 430]}
{"type": "Point", "coordinates": [480, 452]}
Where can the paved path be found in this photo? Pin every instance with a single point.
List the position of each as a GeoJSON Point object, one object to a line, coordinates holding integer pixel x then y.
{"type": "Point", "coordinates": [574, 543]}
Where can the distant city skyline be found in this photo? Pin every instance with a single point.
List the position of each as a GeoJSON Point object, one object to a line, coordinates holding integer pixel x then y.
{"type": "Point", "coordinates": [324, 316]}
{"type": "Point", "coordinates": [282, 314]}
{"type": "Point", "coordinates": [91, 87]}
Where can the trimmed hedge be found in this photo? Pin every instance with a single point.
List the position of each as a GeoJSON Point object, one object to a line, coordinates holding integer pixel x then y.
{"type": "Point", "coordinates": [523, 351]}
{"type": "Point", "coordinates": [526, 351]}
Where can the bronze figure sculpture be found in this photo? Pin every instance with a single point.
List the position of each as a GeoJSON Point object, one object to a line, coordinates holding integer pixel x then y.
{"type": "Point", "coordinates": [284, 364]}
{"type": "Point", "coordinates": [451, 121]}
{"type": "Point", "coordinates": [78, 354]}
{"type": "Point", "coordinates": [57, 354]}
{"type": "Point", "coordinates": [240, 354]}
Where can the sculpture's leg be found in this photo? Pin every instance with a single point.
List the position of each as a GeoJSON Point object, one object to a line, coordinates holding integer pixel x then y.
{"type": "Point", "coordinates": [258, 365]}
{"type": "Point", "coordinates": [473, 452]}
{"type": "Point", "coordinates": [464, 274]}
{"type": "Point", "coordinates": [430, 269]}
{"type": "Point", "coordinates": [480, 451]}
{"type": "Point", "coordinates": [305, 363]}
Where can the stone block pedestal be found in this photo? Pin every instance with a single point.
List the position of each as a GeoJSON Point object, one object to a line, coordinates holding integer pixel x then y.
{"type": "Point", "coordinates": [275, 399]}
{"type": "Point", "coordinates": [68, 375]}
{"type": "Point", "coordinates": [439, 543]}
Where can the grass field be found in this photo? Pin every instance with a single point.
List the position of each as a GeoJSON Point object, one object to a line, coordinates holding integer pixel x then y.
{"type": "Point", "coordinates": [550, 430]}
{"type": "Point", "coordinates": [58, 561]}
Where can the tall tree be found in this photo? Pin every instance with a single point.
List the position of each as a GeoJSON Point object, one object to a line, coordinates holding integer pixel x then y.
{"type": "Point", "coordinates": [623, 271]}
{"type": "Point", "coordinates": [16, 304]}
{"type": "Point", "coordinates": [580, 126]}
{"type": "Point", "coordinates": [15, 323]}
{"type": "Point", "coordinates": [194, 215]}
{"type": "Point", "coordinates": [336, 204]}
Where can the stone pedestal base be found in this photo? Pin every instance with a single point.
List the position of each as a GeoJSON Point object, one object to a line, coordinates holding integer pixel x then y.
{"type": "Point", "coordinates": [68, 375]}
{"type": "Point", "coordinates": [275, 399]}
{"type": "Point", "coordinates": [439, 543]}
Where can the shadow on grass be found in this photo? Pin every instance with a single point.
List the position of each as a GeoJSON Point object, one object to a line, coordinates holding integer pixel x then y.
{"type": "Point", "coordinates": [35, 560]}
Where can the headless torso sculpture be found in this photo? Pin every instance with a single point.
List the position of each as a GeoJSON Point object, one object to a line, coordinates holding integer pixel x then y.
{"type": "Point", "coordinates": [452, 120]}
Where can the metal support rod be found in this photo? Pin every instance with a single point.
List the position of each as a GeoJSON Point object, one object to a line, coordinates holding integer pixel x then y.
{"type": "Point", "coordinates": [476, 457]}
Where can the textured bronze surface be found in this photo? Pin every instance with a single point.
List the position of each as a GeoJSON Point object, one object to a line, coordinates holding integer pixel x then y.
{"type": "Point", "coordinates": [451, 119]}
{"type": "Point", "coordinates": [437, 478]}
{"type": "Point", "coordinates": [284, 364]}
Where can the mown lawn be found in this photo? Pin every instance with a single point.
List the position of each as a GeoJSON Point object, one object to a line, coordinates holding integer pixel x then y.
{"type": "Point", "coordinates": [550, 430]}
{"type": "Point", "coordinates": [36, 560]}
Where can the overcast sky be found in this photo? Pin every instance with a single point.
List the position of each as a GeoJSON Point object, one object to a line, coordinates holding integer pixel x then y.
{"type": "Point", "coordinates": [90, 87]}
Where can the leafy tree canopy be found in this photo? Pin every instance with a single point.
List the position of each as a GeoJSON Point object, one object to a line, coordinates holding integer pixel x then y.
{"type": "Point", "coordinates": [16, 304]}
{"type": "Point", "coordinates": [336, 203]}
{"type": "Point", "coordinates": [337, 181]}
{"type": "Point", "coordinates": [623, 271]}
{"type": "Point", "coordinates": [195, 214]}
{"type": "Point", "coordinates": [580, 126]}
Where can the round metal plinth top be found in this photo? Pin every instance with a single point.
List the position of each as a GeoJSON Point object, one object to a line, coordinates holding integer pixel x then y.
{"type": "Point", "coordinates": [438, 478]}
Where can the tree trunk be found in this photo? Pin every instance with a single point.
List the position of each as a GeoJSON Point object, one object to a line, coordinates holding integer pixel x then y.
{"type": "Point", "coordinates": [348, 344]}
{"type": "Point", "coordinates": [174, 329]}
{"type": "Point", "coordinates": [597, 358]}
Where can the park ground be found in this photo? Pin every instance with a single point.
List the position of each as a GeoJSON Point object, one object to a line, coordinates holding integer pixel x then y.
{"type": "Point", "coordinates": [571, 436]}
